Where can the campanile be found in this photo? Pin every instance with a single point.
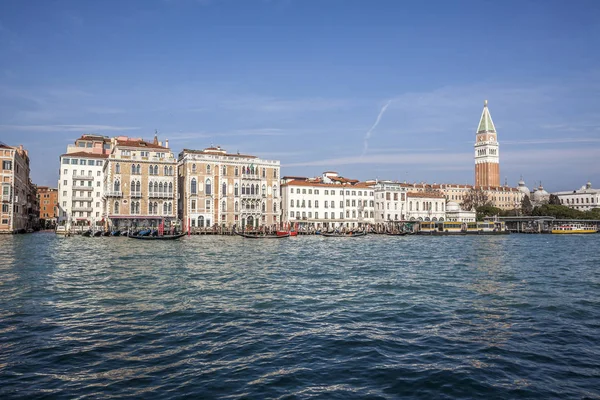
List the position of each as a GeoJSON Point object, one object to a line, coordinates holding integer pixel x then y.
{"type": "Point", "coordinates": [487, 155]}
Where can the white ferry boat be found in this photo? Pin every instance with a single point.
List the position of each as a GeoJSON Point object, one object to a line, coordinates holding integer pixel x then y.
{"type": "Point", "coordinates": [574, 229]}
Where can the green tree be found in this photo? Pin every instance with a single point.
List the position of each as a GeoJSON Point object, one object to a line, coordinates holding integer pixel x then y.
{"type": "Point", "coordinates": [487, 211]}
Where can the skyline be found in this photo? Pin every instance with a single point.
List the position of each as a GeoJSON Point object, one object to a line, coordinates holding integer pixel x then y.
{"type": "Point", "coordinates": [391, 91]}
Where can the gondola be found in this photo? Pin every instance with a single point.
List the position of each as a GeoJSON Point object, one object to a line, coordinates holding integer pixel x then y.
{"type": "Point", "coordinates": [87, 233]}
{"type": "Point", "coordinates": [97, 233]}
{"type": "Point", "coordinates": [163, 237]}
{"type": "Point", "coordinates": [254, 236]}
{"type": "Point", "coordinates": [350, 234]}
{"type": "Point", "coordinates": [115, 233]}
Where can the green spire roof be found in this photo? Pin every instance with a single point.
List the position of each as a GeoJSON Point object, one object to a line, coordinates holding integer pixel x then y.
{"type": "Point", "coordinates": [486, 124]}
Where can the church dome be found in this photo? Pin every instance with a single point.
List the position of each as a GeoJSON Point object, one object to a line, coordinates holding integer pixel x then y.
{"type": "Point", "coordinates": [540, 195]}
{"type": "Point", "coordinates": [523, 189]}
{"type": "Point", "coordinates": [452, 206]}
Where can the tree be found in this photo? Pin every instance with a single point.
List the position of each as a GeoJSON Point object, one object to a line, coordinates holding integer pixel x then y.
{"type": "Point", "coordinates": [474, 199]}
{"type": "Point", "coordinates": [526, 206]}
{"type": "Point", "coordinates": [487, 211]}
{"type": "Point", "coordinates": [554, 200]}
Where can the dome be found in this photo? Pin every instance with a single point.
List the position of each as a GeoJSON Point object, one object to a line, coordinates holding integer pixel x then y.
{"type": "Point", "coordinates": [452, 206]}
{"type": "Point", "coordinates": [540, 194]}
{"type": "Point", "coordinates": [523, 189]}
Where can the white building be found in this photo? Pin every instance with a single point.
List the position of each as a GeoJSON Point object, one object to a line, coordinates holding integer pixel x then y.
{"type": "Point", "coordinates": [390, 202]}
{"type": "Point", "coordinates": [80, 188]}
{"type": "Point", "coordinates": [455, 214]}
{"type": "Point", "coordinates": [426, 206]}
{"type": "Point", "coordinates": [328, 201]}
{"type": "Point", "coordinates": [583, 199]}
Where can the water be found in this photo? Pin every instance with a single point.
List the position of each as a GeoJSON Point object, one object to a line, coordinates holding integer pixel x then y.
{"type": "Point", "coordinates": [224, 317]}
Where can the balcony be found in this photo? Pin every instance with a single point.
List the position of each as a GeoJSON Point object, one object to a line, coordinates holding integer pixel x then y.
{"type": "Point", "coordinates": [83, 198]}
{"type": "Point", "coordinates": [83, 178]}
{"type": "Point", "coordinates": [6, 197]}
{"type": "Point", "coordinates": [159, 195]}
{"type": "Point", "coordinates": [113, 194]}
{"type": "Point", "coordinates": [136, 194]}
{"type": "Point", "coordinates": [85, 188]}
{"type": "Point", "coordinates": [84, 209]}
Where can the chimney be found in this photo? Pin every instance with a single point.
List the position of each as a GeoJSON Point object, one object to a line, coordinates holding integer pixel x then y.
{"type": "Point", "coordinates": [167, 143]}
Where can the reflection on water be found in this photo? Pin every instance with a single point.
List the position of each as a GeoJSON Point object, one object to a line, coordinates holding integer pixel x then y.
{"type": "Point", "coordinates": [379, 317]}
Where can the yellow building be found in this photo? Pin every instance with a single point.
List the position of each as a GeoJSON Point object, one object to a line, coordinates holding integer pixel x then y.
{"type": "Point", "coordinates": [140, 184]}
{"type": "Point", "coordinates": [222, 189]}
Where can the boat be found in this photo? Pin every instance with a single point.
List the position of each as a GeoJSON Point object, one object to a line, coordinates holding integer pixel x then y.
{"type": "Point", "coordinates": [97, 233]}
{"type": "Point", "coordinates": [286, 233]}
{"type": "Point", "coordinates": [445, 228]}
{"type": "Point", "coordinates": [487, 228]}
{"type": "Point", "coordinates": [348, 234]}
{"type": "Point", "coordinates": [87, 233]}
{"type": "Point", "coordinates": [144, 232]}
{"type": "Point", "coordinates": [159, 237]}
{"type": "Point", "coordinates": [263, 236]}
{"type": "Point", "coordinates": [566, 229]}
{"type": "Point", "coordinates": [115, 233]}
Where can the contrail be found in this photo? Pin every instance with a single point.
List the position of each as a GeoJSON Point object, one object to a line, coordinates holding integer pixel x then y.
{"type": "Point", "coordinates": [368, 135]}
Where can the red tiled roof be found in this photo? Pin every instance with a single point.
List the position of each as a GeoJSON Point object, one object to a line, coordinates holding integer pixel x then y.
{"type": "Point", "coordinates": [85, 154]}
{"type": "Point", "coordinates": [426, 195]}
{"type": "Point", "coordinates": [140, 143]}
{"type": "Point", "coordinates": [361, 185]}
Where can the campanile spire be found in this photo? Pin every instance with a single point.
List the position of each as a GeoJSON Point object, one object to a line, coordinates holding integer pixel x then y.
{"type": "Point", "coordinates": [487, 155]}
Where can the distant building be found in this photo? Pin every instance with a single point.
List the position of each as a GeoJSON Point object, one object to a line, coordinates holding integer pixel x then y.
{"type": "Point", "coordinates": [454, 213]}
{"type": "Point", "coordinates": [18, 193]}
{"type": "Point", "coordinates": [48, 201]}
{"type": "Point", "coordinates": [226, 189]}
{"type": "Point", "coordinates": [426, 206]}
{"type": "Point", "coordinates": [140, 184]}
{"type": "Point", "coordinates": [328, 201]}
{"type": "Point", "coordinates": [583, 199]}
{"type": "Point", "coordinates": [80, 184]}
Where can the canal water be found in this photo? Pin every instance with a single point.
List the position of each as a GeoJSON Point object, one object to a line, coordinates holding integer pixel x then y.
{"type": "Point", "coordinates": [378, 317]}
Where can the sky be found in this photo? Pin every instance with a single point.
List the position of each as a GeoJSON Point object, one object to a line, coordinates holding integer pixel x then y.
{"type": "Point", "coordinates": [371, 89]}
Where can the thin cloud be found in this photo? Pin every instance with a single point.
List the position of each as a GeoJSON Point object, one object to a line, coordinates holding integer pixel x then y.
{"type": "Point", "coordinates": [370, 131]}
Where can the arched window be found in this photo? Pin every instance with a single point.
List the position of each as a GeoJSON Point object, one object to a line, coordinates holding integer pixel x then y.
{"type": "Point", "coordinates": [171, 170]}
{"type": "Point", "coordinates": [138, 169]}
{"type": "Point", "coordinates": [274, 207]}
{"type": "Point", "coordinates": [170, 187]}
{"type": "Point", "coordinates": [236, 190]}
{"type": "Point", "coordinates": [150, 208]}
{"type": "Point", "coordinates": [208, 186]}
{"type": "Point", "coordinates": [156, 170]}
{"type": "Point", "coordinates": [165, 209]}
{"type": "Point", "coordinates": [274, 191]}
{"type": "Point", "coordinates": [118, 168]}
{"type": "Point", "coordinates": [170, 207]}
{"type": "Point", "coordinates": [237, 171]}
{"type": "Point", "coordinates": [243, 189]}
{"type": "Point", "coordinates": [251, 189]}
{"type": "Point", "coordinates": [194, 168]}
{"type": "Point", "coordinates": [150, 187]}
{"type": "Point", "coordinates": [116, 210]}
{"type": "Point", "coordinates": [252, 170]}
{"type": "Point", "coordinates": [160, 187]}
{"type": "Point", "coordinates": [117, 186]}
{"type": "Point", "coordinates": [208, 168]}
{"type": "Point", "coordinates": [155, 187]}
{"type": "Point", "coordinates": [200, 222]}
{"type": "Point", "coordinates": [132, 173]}
{"type": "Point", "coordinates": [224, 189]}
{"type": "Point", "coordinates": [193, 186]}
{"type": "Point", "coordinates": [166, 170]}
{"type": "Point", "coordinates": [155, 208]}
{"type": "Point", "coordinates": [264, 190]}
{"type": "Point", "coordinates": [224, 170]}
{"type": "Point", "coordinates": [132, 207]}
{"type": "Point", "coordinates": [223, 206]}
{"type": "Point", "coordinates": [263, 208]}
{"type": "Point", "coordinates": [236, 206]}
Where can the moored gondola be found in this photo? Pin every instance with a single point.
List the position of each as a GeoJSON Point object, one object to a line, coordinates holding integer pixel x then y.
{"type": "Point", "coordinates": [262, 236]}
{"type": "Point", "coordinates": [348, 234]}
{"type": "Point", "coordinates": [159, 237]}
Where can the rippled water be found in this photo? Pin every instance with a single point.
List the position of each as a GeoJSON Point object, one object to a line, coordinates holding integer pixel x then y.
{"type": "Point", "coordinates": [310, 317]}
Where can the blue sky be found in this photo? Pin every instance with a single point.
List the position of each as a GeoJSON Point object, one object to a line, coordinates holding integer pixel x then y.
{"type": "Point", "coordinates": [304, 81]}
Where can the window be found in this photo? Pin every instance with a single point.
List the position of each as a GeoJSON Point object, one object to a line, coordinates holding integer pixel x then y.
{"type": "Point", "coordinates": [118, 169]}
{"type": "Point", "coordinates": [224, 189]}
{"type": "Point", "coordinates": [74, 161]}
{"type": "Point", "coordinates": [237, 171]}
{"type": "Point", "coordinates": [326, 192]}
{"type": "Point", "coordinates": [292, 203]}
{"type": "Point", "coordinates": [223, 206]}
{"type": "Point", "coordinates": [264, 172]}
{"type": "Point", "coordinates": [117, 186]}
{"type": "Point", "coordinates": [274, 191]}
{"type": "Point", "coordinates": [316, 203]}
{"type": "Point", "coordinates": [341, 204]}
{"type": "Point", "coordinates": [309, 205]}
{"type": "Point", "coordinates": [236, 206]}
{"type": "Point", "coordinates": [66, 160]}
{"type": "Point", "coordinates": [207, 204]}
{"type": "Point", "coordinates": [224, 170]}
{"type": "Point", "coordinates": [303, 191]}
{"type": "Point", "coordinates": [208, 168]}
{"type": "Point", "coordinates": [208, 187]}
{"type": "Point", "coordinates": [275, 173]}
{"type": "Point", "coordinates": [194, 168]}
{"type": "Point", "coordinates": [264, 190]}
{"type": "Point", "coordinates": [326, 214]}
{"type": "Point", "coordinates": [65, 182]}
{"type": "Point", "coordinates": [193, 186]}
{"type": "Point", "coordinates": [7, 165]}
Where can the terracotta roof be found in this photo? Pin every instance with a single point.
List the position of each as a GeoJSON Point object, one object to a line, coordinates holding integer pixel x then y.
{"type": "Point", "coordinates": [85, 155]}
{"type": "Point", "coordinates": [295, 177]}
{"type": "Point", "coordinates": [426, 195]}
{"type": "Point", "coordinates": [5, 146]}
{"type": "Point", "coordinates": [140, 144]}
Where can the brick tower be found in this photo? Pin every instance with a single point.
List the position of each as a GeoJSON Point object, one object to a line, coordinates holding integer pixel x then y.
{"type": "Point", "coordinates": [487, 155]}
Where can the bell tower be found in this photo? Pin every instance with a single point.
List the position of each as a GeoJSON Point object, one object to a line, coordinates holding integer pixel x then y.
{"type": "Point", "coordinates": [487, 155]}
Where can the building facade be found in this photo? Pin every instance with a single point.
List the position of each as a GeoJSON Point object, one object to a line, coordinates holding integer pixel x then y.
{"type": "Point", "coordinates": [329, 201]}
{"type": "Point", "coordinates": [425, 206]}
{"type": "Point", "coordinates": [80, 183]}
{"type": "Point", "coordinates": [48, 203]}
{"type": "Point", "coordinates": [220, 189]}
{"type": "Point", "coordinates": [583, 199]}
{"type": "Point", "coordinates": [18, 193]}
{"type": "Point", "coordinates": [487, 153]}
{"type": "Point", "coordinates": [140, 184]}
{"type": "Point", "coordinates": [390, 202]}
